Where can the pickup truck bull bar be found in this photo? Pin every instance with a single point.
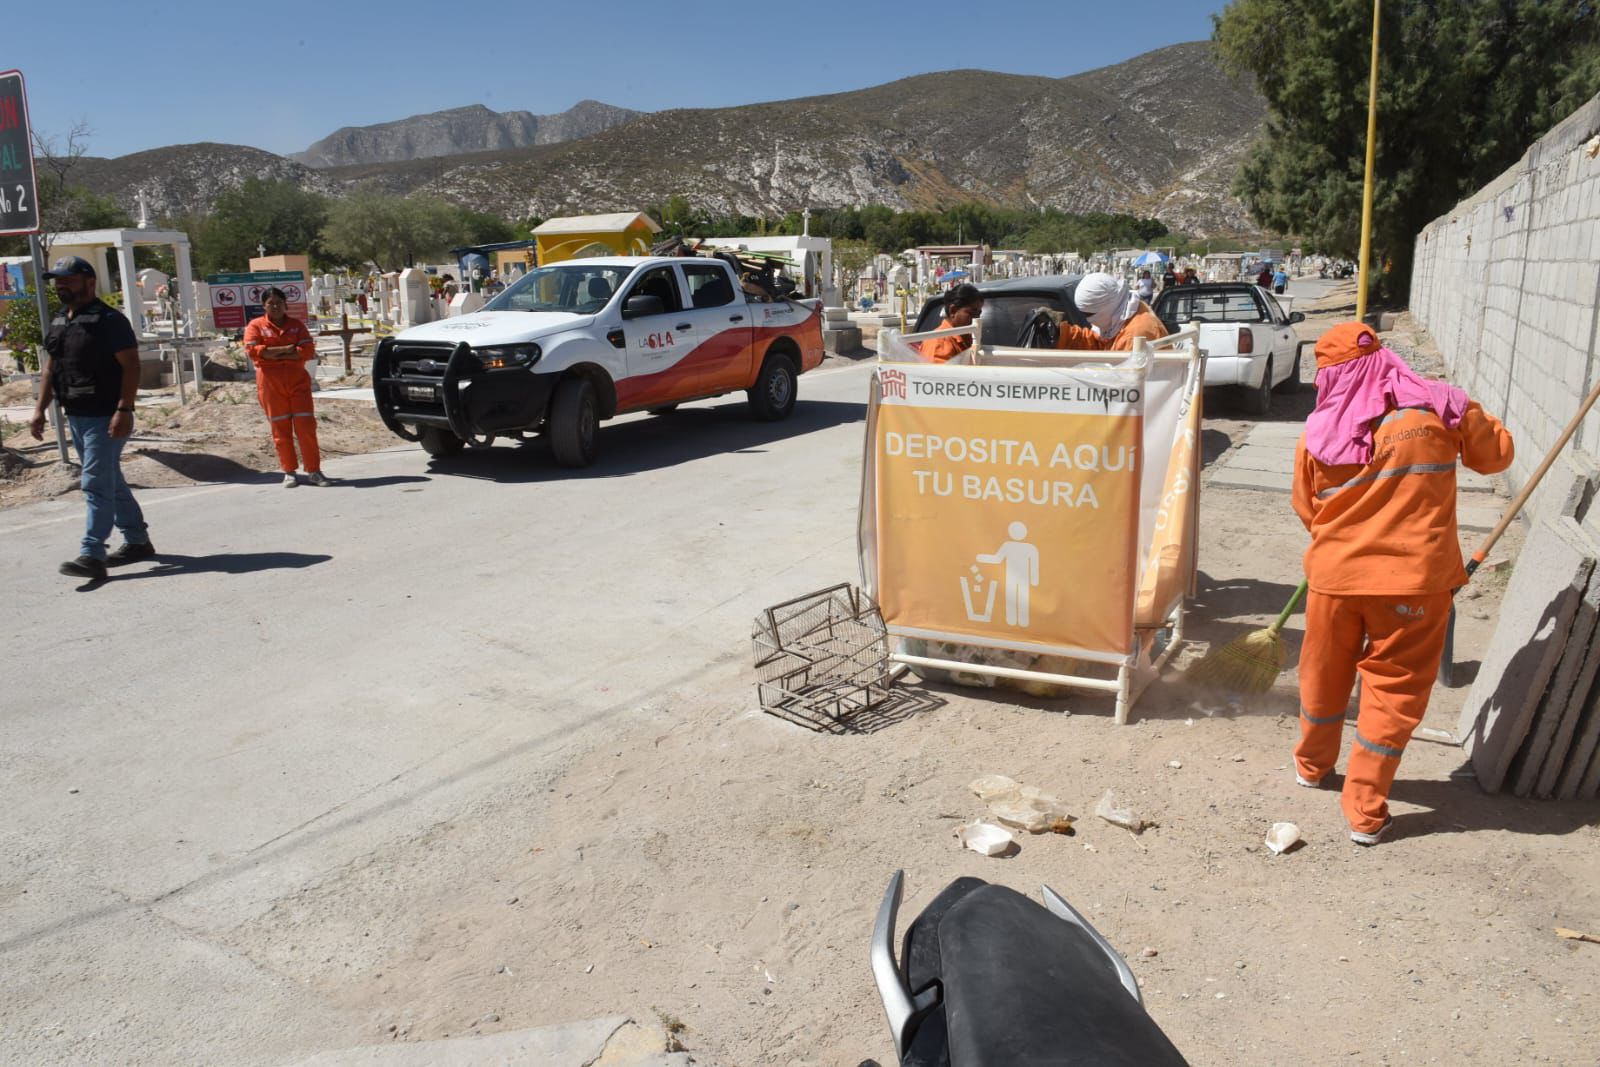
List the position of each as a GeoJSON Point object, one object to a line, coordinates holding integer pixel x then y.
{"type": "Point", "coordinates": [393, 382]}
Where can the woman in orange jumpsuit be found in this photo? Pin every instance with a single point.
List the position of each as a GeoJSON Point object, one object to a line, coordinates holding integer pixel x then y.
{"type": "Point", "coordinates": [961, 305]}
{"type": "Point", "coordinates": [279, 346]}
{"type": "Point", "coordinates": [1375, 484]}
{"type": "Point", "coordinates": [1115, 312]}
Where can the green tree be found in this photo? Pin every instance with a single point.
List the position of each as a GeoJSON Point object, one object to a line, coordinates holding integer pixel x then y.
{"type": "Point", "coordinates": [21, 321]}
{"type": "Point", "coordinates": [850, 258]}
{"type": "Point", "coordinates": [481, 228]}
{"type": "Point", "coordinates": [279, 216]}
{"type": "Point", "coordinates": [1464, 88]}
{"type": "Point", "coordinates": [391, 232]}
{"type": "Point", "coordinates": [63, 205]}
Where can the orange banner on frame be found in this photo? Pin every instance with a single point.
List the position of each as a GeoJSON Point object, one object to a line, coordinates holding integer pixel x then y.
{"type": "Point", "coordinates": [1008, 505]}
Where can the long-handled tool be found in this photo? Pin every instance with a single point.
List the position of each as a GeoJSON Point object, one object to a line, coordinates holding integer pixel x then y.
{"type": "Point", "coordinates": [1447, 666]}
{"type": "Point", "coordinates": [1249, 664]}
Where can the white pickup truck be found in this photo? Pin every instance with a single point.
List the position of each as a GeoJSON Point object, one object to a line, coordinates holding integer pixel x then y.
{"type": "Point", "coordinates": [573, 343]}
{"type": "Point", "coordinates": [1248, 341]}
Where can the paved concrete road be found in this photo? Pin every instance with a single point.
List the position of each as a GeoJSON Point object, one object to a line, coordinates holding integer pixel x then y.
{"type": "Point", "coordinates": [309, 676]}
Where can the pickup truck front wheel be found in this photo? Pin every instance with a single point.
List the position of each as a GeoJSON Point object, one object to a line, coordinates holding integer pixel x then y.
{"type": "Point", "coordinates": [574, 423]}
{"type": "Point", "coordinates": [1258, 401]}
{"type": "Point", "coordinates": [773, 396]}
{"type": "Point", "coordinates": [440, 443]}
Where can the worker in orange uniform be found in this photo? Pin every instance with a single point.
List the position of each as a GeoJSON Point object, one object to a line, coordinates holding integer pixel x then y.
{"type": "Point", "coordinates": [1116, 314]}
{"type": "Point", "coordinates": [1375, 484]}
{"type": "Point", "coordinates": [279, 345]}
{"type": "Point", "coordinates": [962, 304]}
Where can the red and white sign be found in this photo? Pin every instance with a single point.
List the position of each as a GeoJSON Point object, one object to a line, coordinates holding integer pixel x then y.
{"type": "Point", "coordinates": [227, 307]}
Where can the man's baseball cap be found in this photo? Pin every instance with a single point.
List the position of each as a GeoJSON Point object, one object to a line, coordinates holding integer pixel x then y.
{"type": "Point", "coordinates": [70, 265]}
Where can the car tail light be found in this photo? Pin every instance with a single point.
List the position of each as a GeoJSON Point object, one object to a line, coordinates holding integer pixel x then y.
{"type": "Point", "coordinates": [1247, 341]}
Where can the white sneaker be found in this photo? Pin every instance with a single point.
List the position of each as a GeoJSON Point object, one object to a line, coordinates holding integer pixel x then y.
{"type": "Point", "coordinates": [1309, 783]}
{"type": "Point", "coordinates": [317, 478]}
{"type": "Point", "coordinates": [290, 481]}
{"type": "Point", "coordinates": [1375, 836]}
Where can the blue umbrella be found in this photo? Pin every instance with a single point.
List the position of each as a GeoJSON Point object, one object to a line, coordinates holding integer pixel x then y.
{"type": "Point", "coordinates": [1150, 259]}
{"type": "Point", "coordinates": [954, 274]}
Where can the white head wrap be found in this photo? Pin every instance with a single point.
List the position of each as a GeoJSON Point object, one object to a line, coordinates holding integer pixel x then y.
{"type": "Point", "coordinates": [1106, 302]}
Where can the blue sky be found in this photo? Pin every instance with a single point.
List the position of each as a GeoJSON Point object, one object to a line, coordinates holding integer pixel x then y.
{"type": "Point", "coordinates": [156, 73]}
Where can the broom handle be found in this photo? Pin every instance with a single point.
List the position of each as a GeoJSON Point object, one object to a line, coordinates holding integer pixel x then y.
{"type": "Point", "coordinates": [1533, 482]}
{"type": "Point", "coordinates": [1288, 609]}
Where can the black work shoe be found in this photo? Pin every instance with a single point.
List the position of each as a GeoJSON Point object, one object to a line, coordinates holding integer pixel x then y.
{"type": "Point", "coordinates": [131, 553]}
{"type": "Point", "coordinates": [84, 567]}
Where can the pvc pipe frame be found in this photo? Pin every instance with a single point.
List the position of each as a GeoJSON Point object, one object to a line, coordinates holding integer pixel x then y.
{"type": "Point", "coordinates": [1132, 677]}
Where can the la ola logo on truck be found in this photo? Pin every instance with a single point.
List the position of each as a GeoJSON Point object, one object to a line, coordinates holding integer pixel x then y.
{"type": "Point", "coordinates": [657, 340]}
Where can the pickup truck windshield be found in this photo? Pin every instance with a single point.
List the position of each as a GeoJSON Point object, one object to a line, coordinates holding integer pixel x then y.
{"type": "Point", "coordinates": [576, 287]}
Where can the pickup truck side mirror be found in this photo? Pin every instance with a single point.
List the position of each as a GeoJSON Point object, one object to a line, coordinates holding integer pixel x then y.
{"type": "Point", "coordinates": [639, 306]}
{"type": "Point", "coordinates": [1296, 316]}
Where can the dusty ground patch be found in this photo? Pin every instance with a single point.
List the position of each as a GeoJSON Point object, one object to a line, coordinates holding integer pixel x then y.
{"type": "Point", "coordinates": [220, 438]}
{"type": "Point", "coordinates": [724, 867]}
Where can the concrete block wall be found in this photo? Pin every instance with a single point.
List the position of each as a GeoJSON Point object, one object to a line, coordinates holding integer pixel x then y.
{"type": "Point", "coordinates": [1508, 284]}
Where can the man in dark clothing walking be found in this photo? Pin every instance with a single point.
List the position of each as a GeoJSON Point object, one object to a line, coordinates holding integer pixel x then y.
{"type": "Point", "coordinates": [94, 372]}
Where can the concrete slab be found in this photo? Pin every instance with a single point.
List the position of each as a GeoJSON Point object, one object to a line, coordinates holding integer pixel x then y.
{"type": "Point", "coordinates": [1590, 787]}
{"type": "Point", "coordinates": [1241, 478]}
{"type": "Point", "coordinates": [1544, 753]}
{"type": "Point", "coordinates": [614, 1040]}
{"type": "Point", "coordinates": [1257, 458]}
{"type": "Point", "coordinates": [1538, 609]}
{"type": "Point", "coordinates": [1469, 481]}
{"type": "Point", "coordinates": [1269, 433]}
{"type": "Point", "coordinates": [365, 396]}
{"type": "Point", "coordinates": [1584, 752]}
{"type": "Point", "coordinates": [1478, 517]}
{"type": "Point", "coordinates": [838, 341]}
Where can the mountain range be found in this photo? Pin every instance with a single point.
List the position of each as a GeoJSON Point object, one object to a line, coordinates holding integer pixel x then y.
{"type": "Point", "coordinates": [1161, 135]}
{"type": "Point", "coordinates": [461, 129]}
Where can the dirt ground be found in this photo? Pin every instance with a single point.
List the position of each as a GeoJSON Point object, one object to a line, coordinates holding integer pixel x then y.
{"type": "Point", "coordinates": [721, 867]}
{"type": "Point", "coordinates": [222, 437]}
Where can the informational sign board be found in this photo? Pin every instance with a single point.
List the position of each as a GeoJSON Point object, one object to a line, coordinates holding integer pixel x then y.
{"type": "Point", "coordinates": [1008, 505]}
{"type": "Point", "coordinates": [237, 298]}
{"type": "Point", "coordinates": [19, 193]}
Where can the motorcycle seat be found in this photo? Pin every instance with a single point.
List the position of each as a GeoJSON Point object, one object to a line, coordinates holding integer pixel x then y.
{"type": "Point", "coordinates": [1023, 988]}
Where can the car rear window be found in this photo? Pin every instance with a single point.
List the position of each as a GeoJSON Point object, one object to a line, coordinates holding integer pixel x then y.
{"type": "Point", "coordinates": [1235, 305]}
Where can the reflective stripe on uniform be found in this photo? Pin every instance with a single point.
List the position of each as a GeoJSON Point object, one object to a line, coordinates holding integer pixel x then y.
{"type": "Point", "coordinates": [1320, 720]}
{"type": "Point", "coordinates": [278, 418]}
{"type": "Point", "coordinates": [1381, 750]}
{"type": "Point", "coordinates": [1415, 468]}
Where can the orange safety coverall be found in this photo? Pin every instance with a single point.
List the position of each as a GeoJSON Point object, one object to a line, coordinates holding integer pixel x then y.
{"type": "Point", "coordinates": [1383, 564]}
{"type": "Point", "coordinates": [285, 389]}
{"type": "Point", "coordinates": [944, 349]}
{"type": "Point", "coordinates": [1143, 323]}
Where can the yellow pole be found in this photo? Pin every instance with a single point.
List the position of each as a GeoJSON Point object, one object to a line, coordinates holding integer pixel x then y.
{"type": "Point", "coordinates": [1366, 191]}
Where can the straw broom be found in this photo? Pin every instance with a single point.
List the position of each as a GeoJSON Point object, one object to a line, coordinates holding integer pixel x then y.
{"type": "Point", "coordinates": [1251, 663]}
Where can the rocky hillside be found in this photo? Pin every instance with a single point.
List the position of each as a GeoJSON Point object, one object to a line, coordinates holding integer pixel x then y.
{"type": "Point", "coordinates": [185, 178]}
{"type": "Point", "coordinates": [460, 130]}
{"type": "Point", "coordinates": [1162, 134]}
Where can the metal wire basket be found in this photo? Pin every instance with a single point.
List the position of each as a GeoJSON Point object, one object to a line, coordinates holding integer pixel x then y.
{"type": "Point", "coordinates": [822, 657]}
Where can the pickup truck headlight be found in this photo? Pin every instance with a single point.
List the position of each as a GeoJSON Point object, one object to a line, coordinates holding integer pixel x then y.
{"type": "Point", "coordinates": [508, 357]}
